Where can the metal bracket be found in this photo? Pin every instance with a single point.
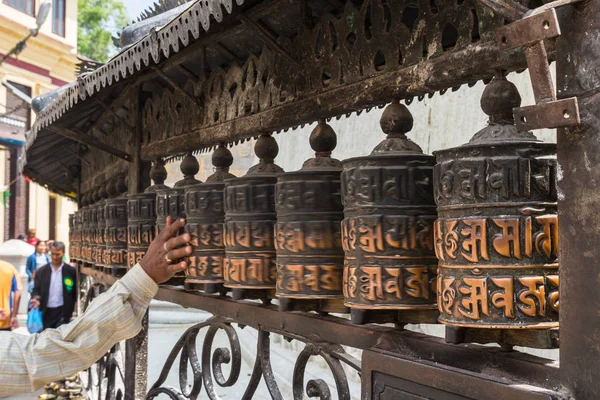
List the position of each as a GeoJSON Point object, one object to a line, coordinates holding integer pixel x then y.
{"type": "Point", "coordinates": [530, 33]}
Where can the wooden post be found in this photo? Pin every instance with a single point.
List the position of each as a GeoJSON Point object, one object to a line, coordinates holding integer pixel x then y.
{"type": "Point", "coordinates": [578, 74]}
{"type": "Point", "coordinates": [136, 349]}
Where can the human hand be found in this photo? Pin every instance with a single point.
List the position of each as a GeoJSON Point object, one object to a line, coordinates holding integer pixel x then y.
{"type": "Point", "coordinates": [34, 303]}
{"type": "Point", "coordinates": [164, 248]}
{"type": "Point", "coordinates": [2, 314]}
{"type": "Point", "coordinates": [14, 323]}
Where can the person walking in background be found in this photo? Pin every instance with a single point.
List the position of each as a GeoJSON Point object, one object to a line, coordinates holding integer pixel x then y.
{"type": "Point", "coordinates": [54, 290]}
{"type": "Point", "coordinates": [10, 296]}
{"type": "Point", "coordinates": [31, 237]}
{"type": "Point", "coordinates": [38, 259]}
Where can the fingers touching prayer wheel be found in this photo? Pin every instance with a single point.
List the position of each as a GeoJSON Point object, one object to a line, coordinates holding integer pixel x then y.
{"type": "Point", "coordinates": [205, 217]}
{"type": "Point", "coordinates": [250, 268]}
{"type": "Point", "coordinates": [141, 215]}
{"type": "Point", "coordinates": [310, 257]}
{"type": "Point", "coordinates": [387, 233]}
{"type": "Point", "coordinates": [170, 202]}
{"type": "Point", "coordinates": [497, 233]}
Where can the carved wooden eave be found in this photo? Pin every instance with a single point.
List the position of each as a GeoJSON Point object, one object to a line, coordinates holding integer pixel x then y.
{"type": "Point", "coordinates": [224, 71]}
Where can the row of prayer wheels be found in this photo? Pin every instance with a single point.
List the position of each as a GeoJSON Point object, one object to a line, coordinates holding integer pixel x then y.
{"type": "Point", "coordinates": [471, 231]}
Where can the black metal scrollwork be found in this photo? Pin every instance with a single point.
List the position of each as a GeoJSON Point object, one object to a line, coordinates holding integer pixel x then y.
{"type": "Point", "coordinates": [209, 368]}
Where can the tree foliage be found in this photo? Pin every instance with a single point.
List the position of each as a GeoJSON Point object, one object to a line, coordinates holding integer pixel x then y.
{"type": "Point", "coordinates": [97, 21]}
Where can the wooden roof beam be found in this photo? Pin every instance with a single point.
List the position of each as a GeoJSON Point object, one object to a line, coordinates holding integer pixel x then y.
{"type": "Point", "coordinates": [267, 38]}
{"type": "Point", "coordinates": [175, 86]}
{"type": "Point", "coordinates": [91, 141]}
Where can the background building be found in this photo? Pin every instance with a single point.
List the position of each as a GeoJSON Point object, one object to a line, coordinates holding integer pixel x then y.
{"type": "Point", "coordinates": [47, 62]}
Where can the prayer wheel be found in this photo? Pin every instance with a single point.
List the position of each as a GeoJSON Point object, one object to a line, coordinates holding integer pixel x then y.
{"type": "Point", "coordinates": [205, 218]}
{"type": "Point", "coordinates": [115, 212]}
{"type": "Point", "coordinates": [141, 216]}
{"type": "Point", "coordinates": [387, 232]}
{"type": "Point", "coordinates": [310, 258]}
{"type": "Point", "coordinates": [85, 245]}
{"type": "Point", "coordinates": [170, 202]}
{"type": "Point", "coordinates": [93, 228]}
{"type": "Point", "coordinates": [100, 229]}
{"type": "Point", "coordinates": [497, 233]}
{"type": "Point", "coordinates": [72, 250]}
{"type": "Point", "coordinates": [249, 220]}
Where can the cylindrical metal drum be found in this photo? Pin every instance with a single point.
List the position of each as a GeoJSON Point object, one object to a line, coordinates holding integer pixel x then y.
{"type": "Point", "coordinates": [205, 217]}
{"type": "Point", "coordinates": [72, 238]}
{"type": "Point", "coordinates": [141, 216]}
{"type": "Point", "coordinates": [497, 233]}
{"type": "Point", "coordinates": [141, 226]}
{"type": "Point", "coordinates": [249, 220]}
{"type": "Point", "coordinates": [100, 232]}
{"type": "Point", "coordinates": [85, 234]}
{"type": "Point", "coordinates": [310, 257]}
{"type": "Point", "coordinates": [93, 229]}
{"type": "Point", "coordinates": [115, 255]}
{"type": "Point", "coordinates": [389, 213]}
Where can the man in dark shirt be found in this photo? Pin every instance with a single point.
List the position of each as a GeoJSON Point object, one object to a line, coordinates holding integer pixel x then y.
{"type": "Point", "coordinates": [54, 291]}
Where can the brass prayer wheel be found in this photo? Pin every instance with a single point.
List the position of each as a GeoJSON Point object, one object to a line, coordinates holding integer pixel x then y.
{"type": "Point", "coordinates": [170, 202]}
{"type": "Point", "coordinates": [115, 212]}
{"type": "Point", "coordinates": [141, 216]}
{"type": "Point", "coordinates": [101, 228]}
{"type": "Point", "coordinates": [387, 233]}
{"type": "Point", "coordinates": [205, 218]}
{"type": "Point", "coordinates": [497, 233]}
{"type": "Point", "coordinates": [85, 236]}
{"type": "Point", "coordinates": [249, 220]}
{"type": "Point", "coordinates": [93, 232]}
{"type": "Point", "coordinates": [310, 257]}
{"type": "Point", "coordinates": [72, 245]}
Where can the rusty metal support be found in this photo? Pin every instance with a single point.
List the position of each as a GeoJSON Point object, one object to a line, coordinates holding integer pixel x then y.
{"type": "Point", "coordinates": [578, 75]}
{"type": "Point", "coordinates": [89, 140]}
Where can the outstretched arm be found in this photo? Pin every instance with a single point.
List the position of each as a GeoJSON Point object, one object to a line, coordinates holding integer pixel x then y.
{"type": "Point", "coordinates": [29, 362]}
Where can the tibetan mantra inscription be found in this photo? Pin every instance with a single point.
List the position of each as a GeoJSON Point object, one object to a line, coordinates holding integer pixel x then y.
{"type": "Point", "coordinates": [497, 235]}
{"type": "Point", "coordinates": [100, 234]}
{"type": "Point", "coordinates": [141, 226]}
{"type": "Point", "coordinates": [205, 217]}
{"type": "Point", "coordinates": [115, 255]}
{"type": "Point", "coordinates": [307, 234]}
{"type": "Point", "coordinates": [249, 223]}
{"type": "Point", "coordinates": [388, 232]}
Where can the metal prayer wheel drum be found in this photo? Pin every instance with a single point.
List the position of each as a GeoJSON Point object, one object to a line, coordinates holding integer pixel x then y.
{"type": "Point", "coordinates": [249, 220]}
{"type": "Point", "coordinates": [101, 228]}
{"type": "Point", "coordinates": [115, 237]}
{"type": "Point", "coordinates": [141, 216]}
{"type": "Point", "coordinates": [310, 257]}
{"type": "Point", "coordinates": [497, 233]}
{"type": "Point", "coordinates": [387, 233]}
{"type": "Point", "coordinates": [205, 218]}
{"type": "Point", "coordinates": [141, 226]}
{"type": "Point", "coordinates": [72, 237]}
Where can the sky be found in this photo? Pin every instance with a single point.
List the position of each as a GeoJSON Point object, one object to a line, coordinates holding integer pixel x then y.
{"type": "Point", "coordinates": [135, 7]}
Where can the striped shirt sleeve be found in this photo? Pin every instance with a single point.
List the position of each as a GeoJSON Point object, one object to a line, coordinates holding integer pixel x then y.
{"type": "Point", "coordinates": [29, 362]}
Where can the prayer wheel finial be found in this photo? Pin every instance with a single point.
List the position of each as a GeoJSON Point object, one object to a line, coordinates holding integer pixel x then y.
{"type": "Point", "coordinates": [396, 121]}
{"type": "Point", "coordinates": [158, 174]}
{"type": "Point", "coordinates": [266, 149]}
{"type": "Point", "coordinates": [121, 185]}
{"type": "Point", "coordinates": [323, 141]}
{"type": "Point", "coordinates": [189, 167]}
{"type": "Point", "coordinates": [222, 159]}
{"type": "Point", "coordinates": [499, 98]}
